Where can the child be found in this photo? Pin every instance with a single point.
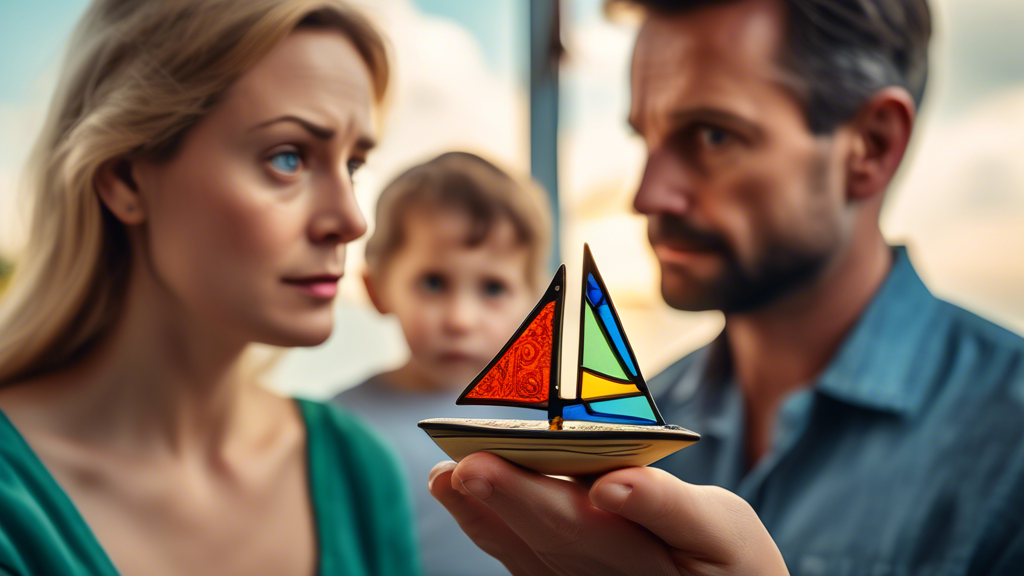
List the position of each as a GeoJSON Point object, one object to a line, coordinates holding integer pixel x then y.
{"type": "Point", "coordinates": [459, 255]}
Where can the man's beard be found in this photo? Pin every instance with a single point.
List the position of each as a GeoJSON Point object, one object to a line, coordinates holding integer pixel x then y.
{"type": "Point", "coordinates": [781, 268]}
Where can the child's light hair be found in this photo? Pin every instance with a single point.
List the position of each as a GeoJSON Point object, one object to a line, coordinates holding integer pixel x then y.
{"type": "Point", "coordinates": [465, 183]}
{"type": "Point", "coordinates": [138, 75]}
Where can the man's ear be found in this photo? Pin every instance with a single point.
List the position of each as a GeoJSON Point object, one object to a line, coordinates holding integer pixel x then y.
{"type": "Point", "coordinates": [371, 290]}
{"type": "Point", "coordinates": [881, 131]}
{"type": "Point", "coordinates": [119, 193]}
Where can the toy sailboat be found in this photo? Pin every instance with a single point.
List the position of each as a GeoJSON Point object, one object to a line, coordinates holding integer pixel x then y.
{"type": "Point", "coordinates": [611, 422]}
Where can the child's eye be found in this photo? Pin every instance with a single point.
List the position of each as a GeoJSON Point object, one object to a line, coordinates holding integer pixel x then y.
{"type": "Point", "coordinates": [494, 288]}
{"type": "Point", "coordinates": [287, 162]}
{"type": "Point", "coordinates": [432, 283]}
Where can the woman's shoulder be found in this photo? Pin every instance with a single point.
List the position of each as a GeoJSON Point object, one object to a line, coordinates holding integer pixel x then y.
{"type": "Point", "coordinates": [40, 531]}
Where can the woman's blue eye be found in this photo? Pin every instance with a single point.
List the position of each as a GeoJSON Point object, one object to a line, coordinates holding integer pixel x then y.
{"type": "Point", "coordinates": [286, 162]}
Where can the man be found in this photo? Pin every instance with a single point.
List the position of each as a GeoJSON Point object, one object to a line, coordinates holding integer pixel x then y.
{"type": "Point", "coordinates": [874, 428]}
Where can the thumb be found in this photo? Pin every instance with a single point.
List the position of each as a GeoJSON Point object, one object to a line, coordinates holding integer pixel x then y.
{"type": "Point", "coordinates": [704, 522]}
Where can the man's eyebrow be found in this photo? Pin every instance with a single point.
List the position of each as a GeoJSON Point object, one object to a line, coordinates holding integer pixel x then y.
{"type": "Point", "coordinates": [318, 131]}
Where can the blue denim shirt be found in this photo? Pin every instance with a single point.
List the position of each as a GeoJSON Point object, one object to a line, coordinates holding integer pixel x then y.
{"type": "Point", "coordinates": [906, 456]}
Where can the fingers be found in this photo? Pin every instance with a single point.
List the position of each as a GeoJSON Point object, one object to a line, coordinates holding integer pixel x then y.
{"type": "Point", "coordinates": [483, 526]}
{"type": "Point", "coordinates": [557, 520]}
{"type": "Point", "coordinates": [704, 522]}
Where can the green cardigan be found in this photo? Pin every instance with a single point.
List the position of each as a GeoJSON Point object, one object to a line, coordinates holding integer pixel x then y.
{"type": "Point", "coordinates": [362, 513]}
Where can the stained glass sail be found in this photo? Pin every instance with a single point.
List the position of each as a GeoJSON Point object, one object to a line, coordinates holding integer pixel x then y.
{"type": "Point", "coordinates": [609, 387]}
{"type": "Point", "coordinates": [594, 386]}
{"type": "Point", "coordinates": [597, 351]}
{"type": "Point", "coordinates": [525, 373]}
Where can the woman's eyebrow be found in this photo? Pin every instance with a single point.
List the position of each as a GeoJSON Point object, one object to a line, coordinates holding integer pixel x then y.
{"type": "Point", "coordinates": [318, 131]}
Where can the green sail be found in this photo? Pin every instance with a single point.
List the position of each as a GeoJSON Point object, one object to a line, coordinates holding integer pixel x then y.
{"type": "Point", "coordinates": [597, 352]}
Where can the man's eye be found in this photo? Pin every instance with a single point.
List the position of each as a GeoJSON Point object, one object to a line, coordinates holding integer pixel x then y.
{"type": "Point", "coordinates": [288, 162]}
{"type": "Point", "coordinates": [713, 137]}
{"type": "Point", "coordinates": [494, 288]}
{"type": "Point", "coordinates": [432, 283]}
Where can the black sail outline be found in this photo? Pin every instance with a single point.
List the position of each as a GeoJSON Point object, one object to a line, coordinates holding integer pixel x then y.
{"type": "Point", "coordinates": [590, 268]}
{"type": "Point", "coordinates": [554, 293]}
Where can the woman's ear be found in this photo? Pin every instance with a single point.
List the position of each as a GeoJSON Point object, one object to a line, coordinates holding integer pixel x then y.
{"type": "Point", "coordinates": [881, 131]}
{"type": "Point", "coordinates": [371, 290]}
{"type": "Point", "coordinates": [119, 193]}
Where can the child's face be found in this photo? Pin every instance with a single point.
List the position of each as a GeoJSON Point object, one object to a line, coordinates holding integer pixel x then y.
{"type": "Point", "coordinates": [457, 304]}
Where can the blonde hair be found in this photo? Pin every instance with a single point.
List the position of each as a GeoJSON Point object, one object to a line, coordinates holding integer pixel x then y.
{"type": "Point", "coordinates": [468, 184]}
{"type": "Point", "coordinates": [138, 75]}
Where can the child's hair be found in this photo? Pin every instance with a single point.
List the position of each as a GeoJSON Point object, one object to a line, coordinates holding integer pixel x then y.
{"type": "Point", "coordinates": [138, 75]}
{"type": "Point", "coordinates": [468, 184]}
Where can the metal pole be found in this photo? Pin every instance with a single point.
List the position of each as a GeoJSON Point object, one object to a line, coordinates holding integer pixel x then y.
{"type": "Point", "coordinates": [545, 51]}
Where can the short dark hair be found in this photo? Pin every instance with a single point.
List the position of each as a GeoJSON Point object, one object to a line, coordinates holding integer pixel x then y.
{"type": "Point", "coordinates": [468, 184]}
{"type": "Point", "coordinates": [843, 51]}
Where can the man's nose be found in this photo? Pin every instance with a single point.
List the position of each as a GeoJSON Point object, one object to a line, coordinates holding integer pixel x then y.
{"type": "Point", "coordinates": [667, 186]}
{"type": "Point", "coordinates": [336, 215]}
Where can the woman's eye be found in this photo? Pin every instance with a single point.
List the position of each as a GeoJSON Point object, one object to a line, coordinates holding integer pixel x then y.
{"type": "Point", "coordinates": [432, 283]}
{"type": "Point", "coordinates": [288, 162]}
{"type": "Point", "coordinates": [353, 165]}
{"type": "Point", "coordinates": [494, 288]}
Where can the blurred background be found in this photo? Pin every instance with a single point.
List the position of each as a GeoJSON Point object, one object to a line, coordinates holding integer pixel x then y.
{"type": "Point", "coordinates": [468, 73]}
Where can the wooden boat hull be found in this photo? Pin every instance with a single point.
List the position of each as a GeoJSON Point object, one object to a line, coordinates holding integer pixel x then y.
{"type": "Point", "coordinates": [580, 449]}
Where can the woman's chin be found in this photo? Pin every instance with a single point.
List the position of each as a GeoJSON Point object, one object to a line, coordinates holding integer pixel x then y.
{"type": "Point", "coordinates": [297, 335]}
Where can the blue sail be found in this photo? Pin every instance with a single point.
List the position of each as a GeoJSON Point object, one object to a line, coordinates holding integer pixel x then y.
{"type": "Point", "coordinates": [597, 299]}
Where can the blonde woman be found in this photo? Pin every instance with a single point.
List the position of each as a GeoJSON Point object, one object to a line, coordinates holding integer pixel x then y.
{"type": "Point", "coordinates": [192, 192]}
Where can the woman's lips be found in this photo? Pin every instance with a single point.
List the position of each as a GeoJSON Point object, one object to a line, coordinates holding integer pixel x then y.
{"type": "Point", "coordinates": [323, 287]}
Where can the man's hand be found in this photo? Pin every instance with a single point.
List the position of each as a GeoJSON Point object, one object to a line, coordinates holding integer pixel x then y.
{"type": "Point", "coordinates": [631, 521]}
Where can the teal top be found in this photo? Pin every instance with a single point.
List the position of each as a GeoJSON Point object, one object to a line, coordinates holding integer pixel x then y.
{"type": "Point", "coordinates": [360, 503]}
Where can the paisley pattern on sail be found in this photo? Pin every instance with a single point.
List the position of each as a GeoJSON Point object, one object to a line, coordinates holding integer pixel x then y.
{"type": "Point", "coordinates": [523, 373]}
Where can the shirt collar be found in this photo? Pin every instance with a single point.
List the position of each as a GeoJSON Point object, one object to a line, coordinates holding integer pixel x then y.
{"type": "Point", "coordinates": [876, 364]}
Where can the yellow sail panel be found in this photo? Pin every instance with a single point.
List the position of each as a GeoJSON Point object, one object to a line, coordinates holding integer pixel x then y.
{"type": "Point", "coordinates": [596, 387]}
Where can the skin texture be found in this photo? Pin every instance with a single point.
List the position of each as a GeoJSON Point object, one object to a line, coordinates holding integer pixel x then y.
{"type": "Point", "coordinates": [748, 212]}
{"type": "Point", "coordinates": [457, 304]}
{"type": "Point", "coordinates": [178, 462]}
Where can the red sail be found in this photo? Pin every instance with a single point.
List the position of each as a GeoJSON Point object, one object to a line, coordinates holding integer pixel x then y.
{"type": "Point", "coordinates": [522, 374]}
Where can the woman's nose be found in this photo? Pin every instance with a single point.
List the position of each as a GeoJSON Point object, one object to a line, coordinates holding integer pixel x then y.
{"type": "Point", "coordinates": [336, 218]}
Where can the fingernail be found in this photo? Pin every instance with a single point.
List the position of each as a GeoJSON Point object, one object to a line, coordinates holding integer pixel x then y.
{"type": "Point", "coordinates": [478, 487]}
{"type": "Point", "coordinates": [613, 496]}
{"type": "Point", "coordinates": [437, 470]}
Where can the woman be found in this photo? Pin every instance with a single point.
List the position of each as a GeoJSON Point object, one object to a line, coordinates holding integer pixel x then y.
{"type": "Point", "coordinates": [192, 195]}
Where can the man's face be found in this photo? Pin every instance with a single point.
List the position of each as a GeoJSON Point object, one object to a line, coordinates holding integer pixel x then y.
{"type": "Point", "coordinates": [744, 203]}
